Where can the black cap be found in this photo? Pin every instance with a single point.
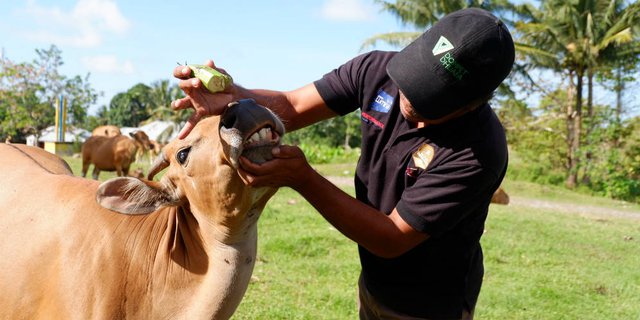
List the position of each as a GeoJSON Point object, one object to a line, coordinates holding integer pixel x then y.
{"type": "Point", "coordinates": [463, 57]}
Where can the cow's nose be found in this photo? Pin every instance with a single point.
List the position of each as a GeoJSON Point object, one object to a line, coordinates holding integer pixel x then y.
{"type": "Point", "coordinates": [245, 115]}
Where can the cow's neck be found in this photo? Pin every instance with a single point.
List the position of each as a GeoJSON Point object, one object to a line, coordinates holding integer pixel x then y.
{"type": "Point", "coordinates": [217, 254]}
{"type": "Point", "coordinates": [199, 257]}
{"type": "Point", "coordinates": [231, 249]}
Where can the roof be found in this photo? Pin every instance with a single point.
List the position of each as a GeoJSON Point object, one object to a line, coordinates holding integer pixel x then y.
{"type": "Point", "coordinates": [161, 131]}
{"type": "Point", "coordinates": [71, 135]}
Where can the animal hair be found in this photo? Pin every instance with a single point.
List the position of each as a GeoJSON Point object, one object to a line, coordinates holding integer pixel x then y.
{"type": "Point", "coordinates": [147, 197]}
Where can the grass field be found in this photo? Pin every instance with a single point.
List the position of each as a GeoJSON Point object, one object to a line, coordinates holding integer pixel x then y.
{"type": "Point", "coordinates": [541, 262]}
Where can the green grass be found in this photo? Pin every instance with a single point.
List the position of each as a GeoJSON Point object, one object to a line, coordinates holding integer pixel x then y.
{"type": "Point", "coordinates": [305, 269]}
{"type": "Point", "coordinates": [76, 166]}
{"type": "Point", "coordinates": [539, 263]}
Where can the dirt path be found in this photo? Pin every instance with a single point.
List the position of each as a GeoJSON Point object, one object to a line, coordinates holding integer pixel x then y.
{"type": "Point", "coordinates": [588, 210]}
{"type": "Point", "coordinates": [598, 212]}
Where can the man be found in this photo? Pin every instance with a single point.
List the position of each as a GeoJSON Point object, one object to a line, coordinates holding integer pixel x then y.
{"type": "Point", "coordinates": [433, 153]}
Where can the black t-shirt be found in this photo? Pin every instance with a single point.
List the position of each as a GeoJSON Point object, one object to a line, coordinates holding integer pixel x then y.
{"type": "Point", "coordinates": [440, 178]}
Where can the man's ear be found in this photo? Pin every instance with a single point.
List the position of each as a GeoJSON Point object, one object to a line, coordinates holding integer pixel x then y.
{"type": "Point", "coordinates": [132, 196]}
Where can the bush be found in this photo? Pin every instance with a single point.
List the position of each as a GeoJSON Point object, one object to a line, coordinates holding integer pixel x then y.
{"type": "Point", "coordinates": [322, 153]}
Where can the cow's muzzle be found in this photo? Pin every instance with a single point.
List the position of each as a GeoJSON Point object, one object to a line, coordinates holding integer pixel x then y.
{"type": "Point", "coordinates": [250, 130]}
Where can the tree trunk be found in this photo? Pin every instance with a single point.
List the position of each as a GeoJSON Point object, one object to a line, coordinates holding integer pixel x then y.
{"type": "Point", "coordinates": [619, 88]}
{"type": "Point", "coordinates": [586, 178]}
{"type": "Point", "coordinates": [575, 120]}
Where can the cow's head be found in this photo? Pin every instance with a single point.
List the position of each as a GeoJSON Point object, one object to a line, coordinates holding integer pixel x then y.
{"type": "Point", "coordinates": [141, 139]}
{"type": "Point", "coordinates": [202, 168]}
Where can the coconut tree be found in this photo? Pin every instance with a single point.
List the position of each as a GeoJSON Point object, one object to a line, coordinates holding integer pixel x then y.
{"type": "Point", "coordinates": [161, 94]}
{"type": "Point", "coordinates": [576, 38]}
{"type": "Point", "coordinates": [421, 14]}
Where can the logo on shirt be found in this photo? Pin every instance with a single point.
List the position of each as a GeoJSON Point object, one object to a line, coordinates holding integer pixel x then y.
{"type": "Point", "coordinates": [382, 102]}
{"type": "Point", "coordinates": [423, 156]}
{"type": "Point", "coordinates": [367, 118]}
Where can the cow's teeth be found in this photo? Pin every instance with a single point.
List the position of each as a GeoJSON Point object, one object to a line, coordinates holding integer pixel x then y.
{"type": "Point", "coordinates": [263, 133]}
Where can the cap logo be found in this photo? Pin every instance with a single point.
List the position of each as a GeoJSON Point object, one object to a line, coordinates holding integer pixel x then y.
{"type": "Point", "coordinates": [443, 45]}
{"type": "Point", "coordinates": [456, 69]}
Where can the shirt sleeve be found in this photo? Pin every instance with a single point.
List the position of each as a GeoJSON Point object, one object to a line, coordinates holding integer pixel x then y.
{"type": "Point", "coordinates": [445, 195]}
{"type": "Point", "coordinates": [342, 89]}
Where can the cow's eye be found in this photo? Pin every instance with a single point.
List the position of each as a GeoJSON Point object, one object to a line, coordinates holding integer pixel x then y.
{"type": "Point", "coordinates": [183, 155]}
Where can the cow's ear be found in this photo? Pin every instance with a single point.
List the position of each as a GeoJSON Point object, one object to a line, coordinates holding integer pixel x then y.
{"type": "Point", "coordinates": [132, 196]}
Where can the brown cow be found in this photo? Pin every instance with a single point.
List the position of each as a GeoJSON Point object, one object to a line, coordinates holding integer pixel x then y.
{"type": "Point", "coordinates": [151, 152]}
{"type": "Point", "coordinates": [500, 197]}
{"type": "Point", "coordinates": [184, 248]}
{"type": "Point", "coordinates": [112, 153]}
{"type": "Point", "coordinates": [44, 159]}
{"type": "Point", "coordinates": [106, 130]}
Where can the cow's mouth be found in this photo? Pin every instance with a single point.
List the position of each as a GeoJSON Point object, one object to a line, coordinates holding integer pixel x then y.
{"type": "Point", "coordinates": [249, 130]}
{"type": "Point", "coordinates": [257, 147]}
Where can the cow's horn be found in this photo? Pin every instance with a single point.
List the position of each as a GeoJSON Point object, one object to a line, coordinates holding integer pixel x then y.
{"type": "Point", "coordinates": [159, 164]}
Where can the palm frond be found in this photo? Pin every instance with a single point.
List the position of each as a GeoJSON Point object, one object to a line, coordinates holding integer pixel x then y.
{"type": "Point", "coordinates": [394, 39]}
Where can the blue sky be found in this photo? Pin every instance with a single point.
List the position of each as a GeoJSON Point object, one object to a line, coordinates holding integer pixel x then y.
{"type": "Point", "coordinates": [274, 44]}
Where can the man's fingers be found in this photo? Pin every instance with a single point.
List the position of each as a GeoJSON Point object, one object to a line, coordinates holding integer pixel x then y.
{"type": "Point", "coordinates": [189, 125]}
{"type": "Point", "coordinates": [286, 152]}
{"type": "Point", "coordinates": [185, 130]}
{"type": "Point", "coordinates": [189, 85]}
{"type": "Point", "coordinates": [182, 72]}
{"type": "Point", "coordinates": [211, 64]}
{"type": "Point", "coordinates": [249, 166]}
{"type": "Point", "coordinates": [247, 178]}
{"type": "Point", "coordinates": [181, 104]}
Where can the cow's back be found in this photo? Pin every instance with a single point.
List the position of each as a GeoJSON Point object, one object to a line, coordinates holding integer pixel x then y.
{"type": "Point", "coordinates": [104, 152]}
{"type": "Point", "coordinates": [50, 225]}
{"type": "Point", "coordinates": [106, 130]}
{"type": "Point", "coordinates": [42, 158]}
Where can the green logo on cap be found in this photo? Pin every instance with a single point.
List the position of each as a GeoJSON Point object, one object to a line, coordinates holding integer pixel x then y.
{"type": "Point", "coordinates": [456, 69]}
{"type": "Point", "coordinates": [443, 45]}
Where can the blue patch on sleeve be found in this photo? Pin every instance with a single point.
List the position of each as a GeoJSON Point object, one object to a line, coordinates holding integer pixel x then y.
{"type": "Point", "coordinates": [382, 103]}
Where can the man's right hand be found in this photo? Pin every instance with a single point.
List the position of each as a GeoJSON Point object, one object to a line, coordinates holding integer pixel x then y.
{"type": "Point", "coordinates": [203, 102]}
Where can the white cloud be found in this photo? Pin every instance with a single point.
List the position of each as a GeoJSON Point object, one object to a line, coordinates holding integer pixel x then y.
{"type": "Point", "coordinates": [107, 64]}
{"type": "Point", "coordinates": [82, 26]}
{"type": "Point", "coordinates": [347, 10]}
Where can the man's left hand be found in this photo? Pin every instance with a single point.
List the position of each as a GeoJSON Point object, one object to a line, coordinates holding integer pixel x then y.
{"type": "Point", "coordinates": [289, 167]}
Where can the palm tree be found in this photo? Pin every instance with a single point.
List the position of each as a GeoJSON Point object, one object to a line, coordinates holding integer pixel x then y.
{"type": "Point", "coordinates": [161, 94]}
{"type": "Point", "coordinates": [422, 14]}
{"type": "Point", "coordinates": [577, 38]}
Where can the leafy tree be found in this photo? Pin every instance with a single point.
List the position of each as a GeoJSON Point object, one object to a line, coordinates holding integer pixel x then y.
{"type": "Point", "coordinates": [336, 132]}
{"type": "Point", "coordinates": [129, 109]}
{"type": "Point", "coordinates": [29, 90]}
{"type": "Point", "coordinates": [421, 14]}
{"type": "Point", "coordinates": [21, 110]}
{"type": "Point", "coordinates": [76, 90]}
{"type": "Point", "coordinates": [161, 94]}
{"type": "Point", "coordinates": [142, 103]}
{"type": "Point", "coordinates": [572, 37]}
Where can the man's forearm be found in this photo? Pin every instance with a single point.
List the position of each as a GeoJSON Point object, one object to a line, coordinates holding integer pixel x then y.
{"type": "Point", "coordinates": [359, 222]}
{"type": "Point", "coordinates": [297, 109]}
